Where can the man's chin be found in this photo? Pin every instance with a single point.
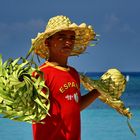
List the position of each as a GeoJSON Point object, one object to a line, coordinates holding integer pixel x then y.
{"type": "Point", "coordinates": [66, 52]}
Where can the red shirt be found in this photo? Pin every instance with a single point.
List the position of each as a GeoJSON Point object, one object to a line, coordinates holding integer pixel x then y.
{"type": "Point", "coordinates": [64, 120]}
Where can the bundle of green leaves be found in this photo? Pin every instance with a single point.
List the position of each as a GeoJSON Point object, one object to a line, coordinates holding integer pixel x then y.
{"type": "Point", "coordinates": [21, 94]}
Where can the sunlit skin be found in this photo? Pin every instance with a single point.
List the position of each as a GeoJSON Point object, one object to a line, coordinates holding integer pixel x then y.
{"type": "Point", "coordinates": [60, 47]}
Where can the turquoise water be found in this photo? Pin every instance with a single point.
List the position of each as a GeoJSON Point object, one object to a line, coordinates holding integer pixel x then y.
{"type": "Point", "coordinates": [11, 130]}
{"type": "Point", "coordinates": [98, 121]}
{"type": "Point", "coordinates": [106, 124]}
{"type": "Point", "coordinates": [97, 124]}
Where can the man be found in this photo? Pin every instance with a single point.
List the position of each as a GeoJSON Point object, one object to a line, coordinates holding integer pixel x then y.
{"type": "Point", "coordinates": [60, 40]}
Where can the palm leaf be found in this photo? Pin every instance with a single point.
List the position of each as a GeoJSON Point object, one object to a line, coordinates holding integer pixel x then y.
{"type": "Point", "coordinates": [21, 96]}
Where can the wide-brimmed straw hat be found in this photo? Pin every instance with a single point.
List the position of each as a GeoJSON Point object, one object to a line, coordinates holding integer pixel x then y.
{"type": "Point", "coordinates": [83, 35]}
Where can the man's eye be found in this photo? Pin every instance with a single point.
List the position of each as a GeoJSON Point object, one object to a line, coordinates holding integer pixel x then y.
{"type": "Point", "coordinates": [61, 38]}
{"type": "Point", "coordinates": [73, 38]}
{"type": "Point", "coordinates": [64, 38]}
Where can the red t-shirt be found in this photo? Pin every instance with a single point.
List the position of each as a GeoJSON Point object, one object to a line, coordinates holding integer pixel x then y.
{"type": "Point", "coordinates": [64, 120]}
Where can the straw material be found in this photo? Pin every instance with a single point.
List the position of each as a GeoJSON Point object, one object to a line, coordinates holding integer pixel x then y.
{"type": "Point", "coordinates": [83, 35]}
{"type": "Point", "coordinates": [111, 85]}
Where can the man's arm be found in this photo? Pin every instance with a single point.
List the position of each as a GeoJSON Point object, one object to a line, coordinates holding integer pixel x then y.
{"type": "Point", "coordinates": [87, 99]}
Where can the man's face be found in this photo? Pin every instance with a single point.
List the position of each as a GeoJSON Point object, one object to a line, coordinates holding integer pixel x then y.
{"type": "Point", "coordinates": [61, 43]}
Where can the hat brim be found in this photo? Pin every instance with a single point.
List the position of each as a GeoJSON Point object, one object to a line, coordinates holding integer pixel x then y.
{"type": "Point", "coordinates": [83, 35]}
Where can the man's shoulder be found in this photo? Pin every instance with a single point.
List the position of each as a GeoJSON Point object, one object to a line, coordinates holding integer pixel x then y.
{"type": "Point", "coordinates": [72, 68]}
{"type": "Point", "coordinates": [46, 68]}
{"type": "Point", "coordinates": [42, 66]}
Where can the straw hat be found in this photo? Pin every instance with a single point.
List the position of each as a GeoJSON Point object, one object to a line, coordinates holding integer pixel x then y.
{"type": "Point", "coordinates": [83, 35]}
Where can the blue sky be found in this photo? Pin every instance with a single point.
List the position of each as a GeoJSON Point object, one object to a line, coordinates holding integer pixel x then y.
{"type": "Point", "coordinates": [117, 22]}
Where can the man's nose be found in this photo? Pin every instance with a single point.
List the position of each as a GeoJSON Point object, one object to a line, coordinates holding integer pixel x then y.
{"type": "Point", "coordinates": [69, 41]}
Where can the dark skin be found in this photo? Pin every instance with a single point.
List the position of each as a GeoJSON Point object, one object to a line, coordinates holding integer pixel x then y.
{"type": "Point", "coordinates": [60, 47]}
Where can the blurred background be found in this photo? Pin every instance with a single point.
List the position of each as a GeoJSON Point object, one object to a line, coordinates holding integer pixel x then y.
{"type": "Point", "coordinates": [116, 21]}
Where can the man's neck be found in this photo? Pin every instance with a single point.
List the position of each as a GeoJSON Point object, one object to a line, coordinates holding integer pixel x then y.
{"type": "Point", "coordinates": [59, 61]}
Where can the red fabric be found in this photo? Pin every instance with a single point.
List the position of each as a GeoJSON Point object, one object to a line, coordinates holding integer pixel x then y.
{"type": "Point", "coordinates": [64, 122]}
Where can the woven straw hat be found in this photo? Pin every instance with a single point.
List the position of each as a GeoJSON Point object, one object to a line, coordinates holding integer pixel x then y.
{"type": "Point", "coordinates": [83, 35]}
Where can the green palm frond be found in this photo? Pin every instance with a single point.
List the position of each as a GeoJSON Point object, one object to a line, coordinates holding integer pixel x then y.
{"type": "Point", "coordinates": [21, 95]}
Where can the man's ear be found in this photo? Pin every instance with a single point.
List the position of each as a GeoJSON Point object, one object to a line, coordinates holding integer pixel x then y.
{"type": "Point", "coordinates": [46, 42]}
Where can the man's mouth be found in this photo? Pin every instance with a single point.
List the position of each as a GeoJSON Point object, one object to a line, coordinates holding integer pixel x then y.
{"type": "Point", "coordinates": [67, 46]}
